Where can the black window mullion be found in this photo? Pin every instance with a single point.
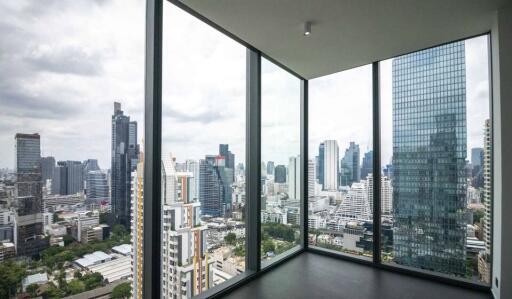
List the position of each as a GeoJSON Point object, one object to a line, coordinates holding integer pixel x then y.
{"type": "Point", "coordinates": [304, 93]}
{"type": "Point", "coordinates": [376, 164]}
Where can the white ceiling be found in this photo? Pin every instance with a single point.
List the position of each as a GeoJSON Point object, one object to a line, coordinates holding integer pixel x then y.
{"type": "Point", "coordinates": [346, 33]}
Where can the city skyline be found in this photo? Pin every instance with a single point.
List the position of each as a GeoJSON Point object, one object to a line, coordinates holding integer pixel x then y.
{"type": "Point", "coordinates": [113, 69]}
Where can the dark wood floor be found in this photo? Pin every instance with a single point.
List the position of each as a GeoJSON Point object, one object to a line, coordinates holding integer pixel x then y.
{"type": "Point", "coordinates": [311, 276]}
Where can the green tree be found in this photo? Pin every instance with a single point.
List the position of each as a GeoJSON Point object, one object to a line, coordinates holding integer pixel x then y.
{"type": "Point", "coordinates": [77, 274]}
{"type": "Point", "coordinates": [268, 246]}
{"type": "Point", "coordinates": [11, 274]}
{"type": "Point", "coordinates": [92, 281]}
{"type": "Point", "coordinates": [68, 240]}
{"type": "Point", "coordinates": [105, 217]}
{"type": "Point", "coordinates": [75, 287]}
{"type": "Point", "coordinates": [230, 239]}
{"type": "Point", "coordinates": [53, 292]}
{"type": "Point", "coordinates": [119, 230]}
{"type": "Point", "coordinates": [32, 289]}
{"type": "Point", "coordinates": [122, 290]}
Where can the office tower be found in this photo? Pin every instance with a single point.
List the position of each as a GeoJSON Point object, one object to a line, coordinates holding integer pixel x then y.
{"type": "Point", "coordinates": [331, 157]}
{"type": "Point", "coordinates": [270, 167]}
{"type": "Point", "coordinates": [294, 177]}
{"type": "Point", "coordinates": [350, 164]}
{"type": "Point", "coordinates": [429, 183]}
{"type": "Point", "coordinates": [386, 193]}
{"type": "Point", "coordinates": [59, 185]}
{"type": "Point", "coordinates": [193, 167]}
{"type": "Point", "coordinates": [97, 186]}
{"type": "Point", "coordinates": [321, 159]}
{"type": "Point", "coordinates": [477, 156]}
{"type": "Point", "coordinates": [125, 151]}
{"type": "Point", "coordinates": [47, 168]}
{"type": "Point", "coordinates": [137, 228]}
{"type": "Point", "coordinates": [356, 205]}
{"type": "Point", "coordinates": [367, 166]}
{"type": "Point", "coordinates": [186, 269]}
{"type": "Point", "coordinates": [229, 157]}
{"type": "Point", "coordinates": [280, 174]}
{"type": "Point", "coordinates": [311, 178]}
{"type": "Point", "coordinates": [211, 186]}
{"type": "Point", "coordinates": [70, 177]}
{"type": "Point", "coordinates": [89, 165]}
{"type": "Point", "coordinates": [29, 238]}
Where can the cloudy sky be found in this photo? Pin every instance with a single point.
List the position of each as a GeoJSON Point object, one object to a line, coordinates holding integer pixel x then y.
{"type": "Point", "coordinates": [64, 63]}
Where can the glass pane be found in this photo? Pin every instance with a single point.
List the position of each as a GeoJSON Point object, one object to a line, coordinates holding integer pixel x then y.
{"type": "Point", "coordinates": [280, 161]}
{"type": "Point", "coordinates": [436, 179]}
{"type": "Point", "coordinates": [203, 154]}
{"type": "Point", "coordinates": [71, 131]}
{"type": "Point", "coordinates": [340, 162]}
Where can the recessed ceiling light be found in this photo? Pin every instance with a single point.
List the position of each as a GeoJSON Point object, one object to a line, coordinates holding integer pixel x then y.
{"type": "Point", "coordinates": [307, 28]}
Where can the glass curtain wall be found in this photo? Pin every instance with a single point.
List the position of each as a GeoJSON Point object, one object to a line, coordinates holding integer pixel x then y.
{"type": "Point", "coordinates": [436, 160]}
{"type": "Point", "coordinates": [203, 156]}
{"type": "Point", "coordinates": [280, 161]}
{"type": "Point", "coordinates": [340, 182]}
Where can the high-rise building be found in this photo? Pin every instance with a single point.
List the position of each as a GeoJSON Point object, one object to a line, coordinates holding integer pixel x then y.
{"type": "Point", "coordinates": [350, 165]}
{"type": "Point", "coordinates": [331, 158]}
{"type": "Point", "coordinates": [193, 167]}
{"type": "Point", "coordinates": [484, 258]}
{"type": "Point", "coordinates": [367, 166]}
{"type": "Point", "coordinates": [47, 168]}
{"type": "Point", "coordinates": [386, 193]}
{"type": "Point", "coordinates": [186, 268]}
{"type": "Point", "coordinates": [311, 178]}
{"type": "Point", "coordinates": [321, 159]}
{"type": "Point", "coordinates": [270, 167]}
{"type": "Point", "coordinates": [70, 177]}
{"type": "Point", "coordinates": [97, 186]}
{"type": "Point", "coordinates": [429, 159]}
{"type": "Point", "coordinates": [477, 156]}
{"type": "Point", "coordinates": [137, 228]}
{"type": "Point", "coordinates": [29, 237]}
{"type": "Point", "coordinates": [211, 186]}
{"type": "Point", "coordinates": [280, 174]}
{"type": "Point", "coordinates": [356, 205]}
{"type": "Point", "coordinates": [294, 177]}
{"type": "Point", "coordinates": [229, 157]}
{"type": "Point", "coordinates": [125, 151]}
{"type": "Point", "coordinates": [89, 165]}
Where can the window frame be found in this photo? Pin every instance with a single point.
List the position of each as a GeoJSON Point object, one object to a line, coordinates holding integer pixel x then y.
{"type": "Point", "coordinates": [153, 143]}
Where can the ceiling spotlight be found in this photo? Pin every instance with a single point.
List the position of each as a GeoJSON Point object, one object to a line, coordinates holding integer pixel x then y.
{"type": "Point", "coordinates": [307, 28]}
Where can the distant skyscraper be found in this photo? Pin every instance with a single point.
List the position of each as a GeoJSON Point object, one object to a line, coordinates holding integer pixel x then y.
{"type": "Point", "coordinates": [229, 157]}
{"type": "Point", "coordinates": [350, 164]}
{"type": "Point", "coordinates": [280, 174]}
{"type": "Point", "coordinates": [270, 168]}
{"type": "Point", "coordinates": [193, 167]}
{"type": "Point", "coordinates": [294, 177]}
{"type": "Point", "coordinates": [71, 177]}
{"type": "Point", "coordinates": [97, 186]}
{"type": "Point", "coordinates": [29, 236]}
{"type": "Point", "coordinates": [331, 158]}
{"type": "Point", "coordinates": [211, 187]}
{"type": "Point", "coordinates": [477, 156]}
{"type": "Point", "coordinates": [47, 168]}
{"type": "Point", "coordinates": [311, 178]}
{"type": "Point", "coordinates": [429, 159]}
{"type": "Point", "coordinates": [367, 166]}
{"type": "Point", "coordinates": [125, 151]}
{"type": "Point", "coordinates": [321, 159]}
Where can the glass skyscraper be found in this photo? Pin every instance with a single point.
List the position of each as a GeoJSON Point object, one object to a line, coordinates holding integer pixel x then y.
{"type": "Point", "coordinates": [429, 158]}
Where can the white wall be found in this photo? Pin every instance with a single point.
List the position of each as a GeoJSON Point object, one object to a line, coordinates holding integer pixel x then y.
{"type": "Point", "coordinates": [502, 121]}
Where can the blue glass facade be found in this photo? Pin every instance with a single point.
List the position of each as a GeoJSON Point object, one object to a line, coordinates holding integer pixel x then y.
{"type": "Point", "coordinates": [429, 158]}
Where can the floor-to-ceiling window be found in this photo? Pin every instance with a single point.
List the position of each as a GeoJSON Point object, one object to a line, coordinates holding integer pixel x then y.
{"type": "Point", "coordinates": [340, 183]}
{"type": "Point", "coordinates": [436, 178]}
{"type": "Point", "coordinates": [203, 156]}
{"type": "Point", "coordinates": [280, 161]}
